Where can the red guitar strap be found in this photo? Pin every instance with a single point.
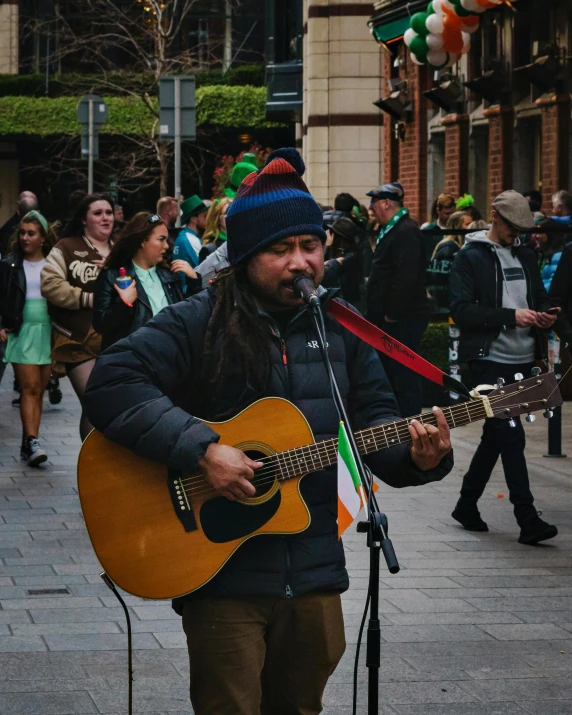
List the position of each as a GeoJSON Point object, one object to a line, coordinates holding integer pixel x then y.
{"type": "Point", "coordinates": [380, 340]}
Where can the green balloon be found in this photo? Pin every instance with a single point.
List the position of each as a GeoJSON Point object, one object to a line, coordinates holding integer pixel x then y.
{"type": "Point", "coordinates": [417, 23]}
{"type": "Point", "coordinates": [419, 48]}
{"type": "Point", "coordinates": [430, 8]}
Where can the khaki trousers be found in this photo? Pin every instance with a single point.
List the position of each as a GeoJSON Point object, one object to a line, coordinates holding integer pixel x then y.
{"type": "Point", "coordinates": [261, 655]}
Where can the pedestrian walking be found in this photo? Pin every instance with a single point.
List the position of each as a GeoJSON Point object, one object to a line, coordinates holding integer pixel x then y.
{"type": "Point", "coordinates": [550, 244]}
{"type": "Point", "coordinates": [268, 627]}
{"type": "Point", "coordinates": [188, 243]}
{"type": "Point", "coordinates": [561, 296]}
{"type": "Point", "coordinates": [442, 260]}
{"type": "Point", "coordinates": [215, 228]}
{"type": "Point", "coordinates": [342, 268]}
{"type": "Point", "coordinates": [396, 295]}
{"type": "Point", "coordinates": [26, 326]}
{"type": "Point", "coordinates": [68, 282]}
{"type": "Point", "coordinates": [140, 251]}
{"type": "Point", "coordinates": [499, 303]}
{"type": "Point", "coordinates": [27, 201]}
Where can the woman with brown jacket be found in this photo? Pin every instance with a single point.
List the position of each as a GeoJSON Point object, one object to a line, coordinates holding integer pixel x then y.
{"type": "Point", "coordinates": [68, 283]}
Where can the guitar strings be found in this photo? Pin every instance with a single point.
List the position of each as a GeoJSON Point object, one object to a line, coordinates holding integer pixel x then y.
{"type": "Point", "coordinates": [327, 449]}
{"type": "Point", "coordinates": [290, 461]}
{"type": "Point", "coordinates": [206, 488]}
{"type": "Point", "coordinates": [380, 431]}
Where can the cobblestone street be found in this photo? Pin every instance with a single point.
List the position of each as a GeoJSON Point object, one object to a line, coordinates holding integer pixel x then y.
{"type": "Point", "coordinates": [474, 624]}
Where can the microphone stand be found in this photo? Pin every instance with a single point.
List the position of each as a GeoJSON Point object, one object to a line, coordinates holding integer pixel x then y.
{"type": "Point", "coordinates": [376, 525]}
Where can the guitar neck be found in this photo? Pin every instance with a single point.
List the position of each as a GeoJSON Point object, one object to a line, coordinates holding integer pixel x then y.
{"type": "Point", "coordinates": [313, 457]}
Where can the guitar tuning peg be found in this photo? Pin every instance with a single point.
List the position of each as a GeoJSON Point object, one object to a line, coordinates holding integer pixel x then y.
{"type": "Point", "coordinates": [500, 382]}
{"type": "Point", "coordinates": [535, 371]}
{"type": "Point", "coordinates": [519, 376]}
{"type": "Point", "coordinates": [530, 418]}
{"type": "Point", "coordinates": [548, 414]}
{"type": "Point", "coordinates": [511, 423]}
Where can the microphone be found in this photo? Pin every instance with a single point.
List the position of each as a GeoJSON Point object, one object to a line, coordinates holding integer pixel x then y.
{"type": "Point", "coordinates": [306, 289]}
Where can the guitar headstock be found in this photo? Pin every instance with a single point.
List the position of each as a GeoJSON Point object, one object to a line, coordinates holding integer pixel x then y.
{"type": "Point", "coordinates": [539, 392]}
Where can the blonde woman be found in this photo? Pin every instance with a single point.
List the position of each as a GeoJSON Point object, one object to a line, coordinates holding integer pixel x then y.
{"type": "Point", "coordinates": [26, 326]}
{"type": "Point", "coordinates": [215, 228]}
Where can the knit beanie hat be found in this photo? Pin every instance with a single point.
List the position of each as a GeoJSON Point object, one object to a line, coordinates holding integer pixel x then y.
{"type": "Point", "coordinates": [271, 204]}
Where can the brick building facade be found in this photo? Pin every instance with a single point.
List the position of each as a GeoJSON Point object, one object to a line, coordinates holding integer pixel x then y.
{"type": "Point", "coordinates": [511, 131]}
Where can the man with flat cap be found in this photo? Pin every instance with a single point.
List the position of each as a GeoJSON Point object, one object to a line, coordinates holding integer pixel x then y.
{"type": "Point", "coordinates": [499, 302]}
{"type": "Point", "coordinates": [396, 294]}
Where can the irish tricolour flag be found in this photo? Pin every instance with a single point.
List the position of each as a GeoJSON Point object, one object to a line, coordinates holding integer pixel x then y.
{"type": "Point", "coordinates": [350, 490]}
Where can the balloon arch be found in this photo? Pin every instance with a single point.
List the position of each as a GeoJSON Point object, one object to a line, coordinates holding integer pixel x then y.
{"type": "Point", "coordinates": [442, 35]}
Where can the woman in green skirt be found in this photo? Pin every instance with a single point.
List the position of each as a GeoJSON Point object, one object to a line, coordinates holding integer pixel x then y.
{"type": "Point", "coordinates": [26, 326]}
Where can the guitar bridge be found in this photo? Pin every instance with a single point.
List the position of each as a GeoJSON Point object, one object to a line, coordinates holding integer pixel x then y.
{"type": "Point", "coordinates": [181, 501]}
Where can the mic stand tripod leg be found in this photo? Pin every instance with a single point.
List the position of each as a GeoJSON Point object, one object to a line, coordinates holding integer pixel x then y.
{"type": "Point", "coordinates": [109, 583]}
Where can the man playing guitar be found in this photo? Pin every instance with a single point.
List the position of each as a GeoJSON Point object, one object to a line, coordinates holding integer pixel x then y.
{"type": "Point", "coordinates": [266, 632]}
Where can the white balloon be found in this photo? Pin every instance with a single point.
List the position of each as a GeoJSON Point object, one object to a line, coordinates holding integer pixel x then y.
{"type": "Point", "coordinates": [434, 42]}
{"type": "Point", "coordinates": [437, 58]}
{"type": "Point", "coordinates": [434, 24]}
{"type": "Point", "coordinates": [448, 5]}
{"type": "Point", "coordinates": [415, 60]}
{"type": "Point", "coordinates": [409, 35]}
{"type": "Point", "coordinates": [472, 6]}
{"type": "Point", "coordinates": [437, 6]}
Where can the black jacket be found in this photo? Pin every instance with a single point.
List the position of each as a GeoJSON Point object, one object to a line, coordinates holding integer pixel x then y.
{"type": "Point", "coordinates": [476, 287]}
{"type": "Point", "coordinates": [396, 285]}
{"type": "Point", "coordinates": [12, 293]}
{"type": "Point", "coordinates": [113, 318]}
{"type": "Point", "coordinates": [143, 393]}
{"type": "Point", "coordinates": [438, 276]}
{"type": "Point", "coordinates": [561, 294]}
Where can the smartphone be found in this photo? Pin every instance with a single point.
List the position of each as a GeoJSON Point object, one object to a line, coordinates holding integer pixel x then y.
{"type": "Point", "coordinates": [553, 310]}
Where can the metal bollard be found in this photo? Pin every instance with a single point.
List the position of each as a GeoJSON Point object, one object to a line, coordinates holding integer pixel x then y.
{"type": "Point", "coordinates": [555, 422]}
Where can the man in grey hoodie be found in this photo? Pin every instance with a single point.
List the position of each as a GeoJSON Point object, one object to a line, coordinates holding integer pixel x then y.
{"type": "Point", "coordinates": [500, 305]}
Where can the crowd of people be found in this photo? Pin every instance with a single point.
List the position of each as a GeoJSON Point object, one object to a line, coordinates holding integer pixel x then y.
{"type": "Point", "coordinates": [98, 282]}
{"type": "Point", "coordinates": [61, 301]}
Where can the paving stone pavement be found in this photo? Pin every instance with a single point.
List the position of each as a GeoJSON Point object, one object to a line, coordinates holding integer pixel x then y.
{"type": "Point", "coordinates": [474, 624]}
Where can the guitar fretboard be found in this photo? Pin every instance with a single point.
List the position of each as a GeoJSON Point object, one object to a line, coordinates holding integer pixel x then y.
{"type": "Point", "coordinates": [313, 457]}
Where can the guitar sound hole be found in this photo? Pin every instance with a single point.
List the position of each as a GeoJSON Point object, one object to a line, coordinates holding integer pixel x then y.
{"type": "Point", "coordinates": [265, 481]}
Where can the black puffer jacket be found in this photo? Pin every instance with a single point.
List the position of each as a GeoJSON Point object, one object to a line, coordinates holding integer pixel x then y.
{"type": "Point", "coordinates": [476, 288]}
{"type": "Point", "coordinates": [396, 285]}
{"type": "Point", "coordinates": [143, 393]}
{"type": "Point", "coordinates": [113, 318]}
{"type": "Point", "coordinates": [12, 293]}
{"type": "Point", "coordinates": [561, 294]}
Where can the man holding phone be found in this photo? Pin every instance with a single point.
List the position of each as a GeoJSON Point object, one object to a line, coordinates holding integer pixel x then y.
{"type": "Point", "coordinates": [499, 303]}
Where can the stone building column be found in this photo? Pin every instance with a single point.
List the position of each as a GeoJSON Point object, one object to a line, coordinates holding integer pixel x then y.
{"type": "Point", "coordinates": [456, 153]}
{"type": "Point", "coordinates": [555, 145]}
{"type": "Point", "coordinates": [501, 125]}
{"type": "Point", "coordinates": [9, 37]}
{"type": "Point", "coordinates": [342, 129]}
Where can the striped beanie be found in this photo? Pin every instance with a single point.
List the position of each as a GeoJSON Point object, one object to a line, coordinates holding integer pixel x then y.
{"type": "Point", "coordinates": [271, 204]}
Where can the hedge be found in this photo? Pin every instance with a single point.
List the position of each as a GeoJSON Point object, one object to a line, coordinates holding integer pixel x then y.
{"type": "Point", "coordinates": [72, 84]}
{"type": "Point", "coordinates": [223, 105]}
{"type": "Point", "coordinates": [435, 345]}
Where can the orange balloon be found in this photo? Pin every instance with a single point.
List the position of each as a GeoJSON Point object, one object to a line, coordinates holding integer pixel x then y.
{"type": "Point", "coordinates": [452, 37]}
{"type": "Point", "coordinates": [471, 21]}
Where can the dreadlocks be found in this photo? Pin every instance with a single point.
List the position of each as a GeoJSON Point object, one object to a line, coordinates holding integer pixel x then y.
{"type": "Point", "coordinates": [235, 325]}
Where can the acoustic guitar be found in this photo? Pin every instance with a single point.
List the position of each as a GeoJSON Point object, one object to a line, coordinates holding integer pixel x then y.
{"type": "Point", "coordinates": [161, 533]}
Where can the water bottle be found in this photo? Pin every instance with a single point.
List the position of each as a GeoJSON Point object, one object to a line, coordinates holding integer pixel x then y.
{"type": "Point", "coordinates": [123, 280]}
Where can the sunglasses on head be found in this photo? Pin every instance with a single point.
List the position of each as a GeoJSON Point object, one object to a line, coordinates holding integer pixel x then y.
{"type": "Point", "coordinates": [154, 219]}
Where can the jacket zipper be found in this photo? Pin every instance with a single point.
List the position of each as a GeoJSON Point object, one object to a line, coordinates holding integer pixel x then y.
{"type": "Point", "coordinates": [287, 589]}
